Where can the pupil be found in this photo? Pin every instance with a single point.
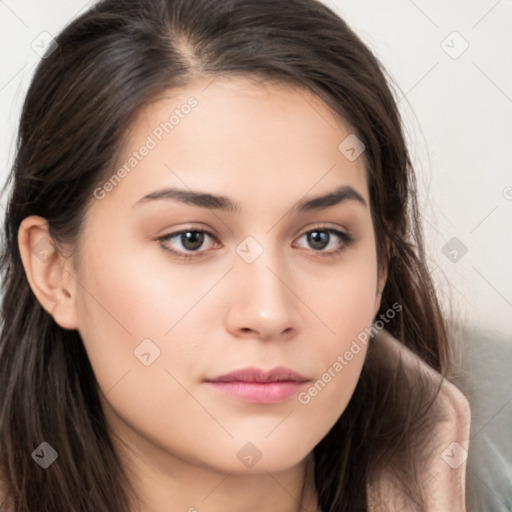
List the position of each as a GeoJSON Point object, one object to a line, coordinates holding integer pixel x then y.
{"type": "Point", "coordinates": [192, 240]}
{"type": "Point", "coordinates": [318, 239]}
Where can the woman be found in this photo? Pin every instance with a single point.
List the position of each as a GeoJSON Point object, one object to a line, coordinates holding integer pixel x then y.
{"type": "Point", "coordinates": [222, 300]}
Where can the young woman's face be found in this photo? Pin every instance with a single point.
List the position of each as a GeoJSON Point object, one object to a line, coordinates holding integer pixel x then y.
{"type": "Point", "coordinates": [258, 278]}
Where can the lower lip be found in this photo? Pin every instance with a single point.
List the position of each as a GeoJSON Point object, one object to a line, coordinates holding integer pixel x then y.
{"type": "Point", "coordinates": [259, 392]}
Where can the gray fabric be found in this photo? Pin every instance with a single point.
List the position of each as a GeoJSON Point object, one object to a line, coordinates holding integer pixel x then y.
{"type": "Point", "coordinates": [487, 361]}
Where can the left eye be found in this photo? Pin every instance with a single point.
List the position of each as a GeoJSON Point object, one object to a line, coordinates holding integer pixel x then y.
{"type": "Point", "coordinates": [326, 240]}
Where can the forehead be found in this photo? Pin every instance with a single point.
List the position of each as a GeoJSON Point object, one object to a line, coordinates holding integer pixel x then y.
{"type": "Point", "coordinates": [238, 135]}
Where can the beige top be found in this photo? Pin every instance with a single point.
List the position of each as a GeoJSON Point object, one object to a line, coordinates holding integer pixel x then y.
{"type": "Point", "coordinates": [444, 478]}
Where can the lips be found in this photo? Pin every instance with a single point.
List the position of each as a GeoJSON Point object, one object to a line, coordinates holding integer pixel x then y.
{"type": "Point", "coordinates": [258, 386]}
{"type": "Point", "coordinates": [278, 374]}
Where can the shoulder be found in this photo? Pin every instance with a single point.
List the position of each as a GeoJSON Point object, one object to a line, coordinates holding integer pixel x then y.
{"type": "Point", "coordinates": [450, 398]}
{"type": "Point", "coordinates": [442, 475]}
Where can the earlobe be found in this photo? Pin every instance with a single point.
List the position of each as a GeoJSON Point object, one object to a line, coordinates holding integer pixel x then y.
{"type": "Point", "coordinates": [376, 306]}
{"type": "Point", "coordinates": [48, 272]}
{"type": "Point", "coordinates": [381, 283]}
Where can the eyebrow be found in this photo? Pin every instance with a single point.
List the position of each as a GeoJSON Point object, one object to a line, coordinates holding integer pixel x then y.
{"type": "Point", "coordinates": [217, 202]}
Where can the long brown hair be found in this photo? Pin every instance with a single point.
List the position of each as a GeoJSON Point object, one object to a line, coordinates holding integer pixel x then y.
{"type": "Point", "coordinates": [108, 65]}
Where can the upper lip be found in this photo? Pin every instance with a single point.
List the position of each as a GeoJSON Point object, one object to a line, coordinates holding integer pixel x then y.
{"type": "Point", "coordinates": [278, 374]}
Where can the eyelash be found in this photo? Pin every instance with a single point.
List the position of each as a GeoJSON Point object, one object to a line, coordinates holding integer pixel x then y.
{"type": "Point", "coordinates": [347, 240]}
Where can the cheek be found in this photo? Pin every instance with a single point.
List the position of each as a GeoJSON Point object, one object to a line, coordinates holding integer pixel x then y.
{"type": "Point", "coordinates": [345, 295]}
{"type": "Point", "coordinates": [123, 302]}
{"type": "Point", "coordinates": [345, 303]}
{"type": "Point", "coordinates": [134, 303]}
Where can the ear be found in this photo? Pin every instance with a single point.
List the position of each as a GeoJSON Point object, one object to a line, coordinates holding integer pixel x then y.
{"type": "Point", "coordinates": [50, 275]}
{"type": "Point", "coordinates": [382, 276]}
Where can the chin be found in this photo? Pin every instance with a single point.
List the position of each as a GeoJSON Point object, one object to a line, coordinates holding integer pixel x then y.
{"type": "Point", "coordinates": [266, 456]}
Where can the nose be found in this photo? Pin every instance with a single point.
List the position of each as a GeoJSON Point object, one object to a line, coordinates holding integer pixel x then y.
{"type": "Point", "coordinates": [262, 302]}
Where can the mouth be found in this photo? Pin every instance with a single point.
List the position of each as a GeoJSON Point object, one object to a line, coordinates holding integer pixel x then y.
{"type": "Point", "coordinates": [258, 386]}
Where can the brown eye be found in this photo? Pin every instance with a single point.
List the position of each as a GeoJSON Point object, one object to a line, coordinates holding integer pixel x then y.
{"type": "Point", "coordinates": [191, 240]}
{"type": "Point", "coordinates": [318, 239]}
{"type": "Point", "coordinates": [333, 240]}
{"type": "Point", "coordinates": [187, 243]}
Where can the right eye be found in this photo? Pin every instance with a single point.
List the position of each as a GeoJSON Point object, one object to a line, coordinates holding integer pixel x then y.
{"type": "Point", "coordinates": [187, 242]}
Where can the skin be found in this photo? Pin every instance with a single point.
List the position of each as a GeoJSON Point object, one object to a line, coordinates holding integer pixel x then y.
{"type": "Point", "coordinates": [266, 147]}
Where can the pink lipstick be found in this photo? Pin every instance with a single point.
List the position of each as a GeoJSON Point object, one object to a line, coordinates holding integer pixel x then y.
{"type": "Point", "coordinates": [259, 386]}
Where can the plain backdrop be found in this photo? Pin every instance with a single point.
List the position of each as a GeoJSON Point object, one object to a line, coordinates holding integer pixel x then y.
{"type": "Point", "coordinates": [451, 73]}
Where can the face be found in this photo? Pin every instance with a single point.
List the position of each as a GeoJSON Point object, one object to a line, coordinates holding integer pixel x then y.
{"type": "Point", "coordinates": [208, 256]}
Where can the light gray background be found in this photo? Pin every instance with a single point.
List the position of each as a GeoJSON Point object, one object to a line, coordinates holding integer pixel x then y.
{"type": "Point", "coordinates": [457, 109]}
